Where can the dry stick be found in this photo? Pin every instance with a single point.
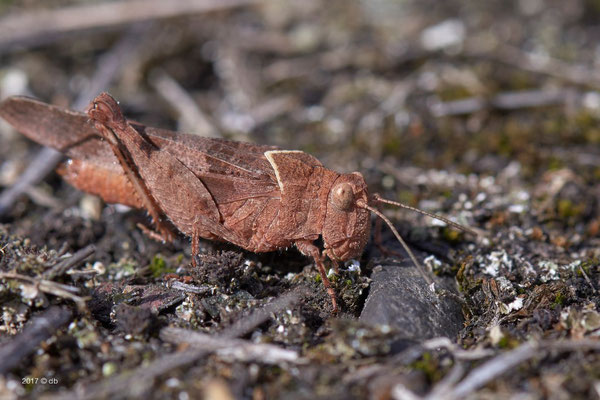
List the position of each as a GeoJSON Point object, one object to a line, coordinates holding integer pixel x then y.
{"type": "Point", "coordinates": [457, 352]}
{"type": "Point", "coordinates": [50, 287]}
{"type": "Point", "coordinates": [506, 361]}
{"type": "Point", "coordinates": [237, 76]}
{"type": "Point", "coordinates": [244, 326]}
{"type": "Point", "coordinates": [492, 369]}
{"type": "Point", "coordinates": [109, 66]}
{"type": "Point", "coordinates": [26, 342]}
{"type": "Point", "coordinates": [193, 118]}
{"type": "Point", "coordinates": [448, 381]}
{"type": "Point", "coordinates": [184, 287]}
{"type": "Point", "coordinates": [329, 60]}
{"type": "Point", "coordinates": [505, 101]}
{"type": "Point", "coordinates": [130, 383]}
{"type": "Point", "coordinates": [587, 278]}
{"type": "Point", "coordinates": [269, 109]}
{"type": "Point", "coordinates": [43, 25]}
{"type": "Point", "coordinates": [532, 62]}
{"type": "Point", "coordinates": [63, 266]}
{"type": "Point", "coordinates": [43, 199]}
{"type": "Point", "coordinates": [237, 349]}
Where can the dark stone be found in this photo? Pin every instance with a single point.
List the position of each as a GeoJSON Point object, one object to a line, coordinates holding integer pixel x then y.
{"type": "Point", "coordinates": [401, 298]}
{"type": "Point", "coordinates": [133, 319]}
{"type": "Point", "coordinates": [154, 298]}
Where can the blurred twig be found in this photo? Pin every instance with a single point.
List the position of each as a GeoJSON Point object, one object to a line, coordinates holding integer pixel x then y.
{"type": "Point", "coordinates": [63, 266]}
{"type": "Point", "coordinates": [131, 383]}
{"type": "Point", "coordinates": [297, 67]}
{"type": "Point", "coordinates": [237, 349]}
{"type": "Point", "coordinates": [47, 286]}
{"type": "Point", "coordinates": [505, 101]}
{"type": "Point", "coordinates": [193, 119]}
{"type": "Point", "coordinates": [25, 343]}
{"type": "Point", "coordinates": [537, 63]}
{"type": "Point", "coordinates": [184, 287]}
{"type": "Point", "coordinates": [457, 352]}
{"type": "Point", "coordinates": [245, 325]}
{"type": "Point", "coordinates": [494, 368]}
{"type": "Point", "coordinates": [41, 26]}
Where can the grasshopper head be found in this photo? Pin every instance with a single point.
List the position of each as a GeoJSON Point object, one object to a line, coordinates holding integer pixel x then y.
{"type": "Point", "coordinates": [347, 226]}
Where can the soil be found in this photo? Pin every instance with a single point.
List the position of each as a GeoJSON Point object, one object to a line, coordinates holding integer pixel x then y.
{"type": "Point", "coordinates": [485, 113]}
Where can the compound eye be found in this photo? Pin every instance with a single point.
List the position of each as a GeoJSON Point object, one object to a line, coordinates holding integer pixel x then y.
{"type": "Point", "coordinates": [343, 197]}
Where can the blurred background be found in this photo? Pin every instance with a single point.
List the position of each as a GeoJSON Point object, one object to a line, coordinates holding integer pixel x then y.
{"type": "Point", "coordinates": [459, 84]}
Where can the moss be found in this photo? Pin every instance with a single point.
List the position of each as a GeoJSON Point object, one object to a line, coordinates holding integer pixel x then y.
{"type": "Point", "coordinates": [452, 93]}
{"type": "Point", "coordinates": [567, 209]}
{"type": "Point", "coordinates": [429, 366]}
{"type": "Point", "coordinates": [392, 144]}
{"type": "Point", "coordinates": [465, 282]}
{"type": "Point", "coordinates": [507, 342]}
{"type": "Point", "coordinates": [158, 267]}
{"type": "Point", "coordinates": [451, 235]}
{"type": "Point", "coordinates": [559, 300]}
{"type": "Point", "coordinates": [555, 163]}
{"type": "Point", "coordinates": [588, 266]}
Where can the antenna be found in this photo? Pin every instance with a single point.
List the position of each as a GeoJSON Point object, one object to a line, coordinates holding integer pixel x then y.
{"type": "Point", "coordinates": [456, 225]}
{"type": "Point", "coordinates": [402, 242]}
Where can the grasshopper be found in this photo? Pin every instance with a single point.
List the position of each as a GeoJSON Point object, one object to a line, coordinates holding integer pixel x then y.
{"type": "Point", "coordinates": [258, 197]}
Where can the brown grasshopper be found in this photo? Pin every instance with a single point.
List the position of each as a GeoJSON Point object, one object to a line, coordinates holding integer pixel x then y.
{"type": "Point", "coordinates": [260, 198]}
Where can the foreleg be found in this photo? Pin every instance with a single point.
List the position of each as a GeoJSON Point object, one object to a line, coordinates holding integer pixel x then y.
{"type": "Point", "coordinates": [309, 249]}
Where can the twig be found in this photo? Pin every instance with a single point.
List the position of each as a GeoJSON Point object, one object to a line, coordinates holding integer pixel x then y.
{"type": "Point", "coordinates": [532, 62]}
{"type": "Point", "coordinates": [193, 118]}
{"type": "Point", "coordinates": [25, 343]}
{"type": "Point", "coordinates": [238, 77]}
{"type": "Point", "coordinates": [236, 349]}
{"type": "Point", "coordinates": [271, 108]}
{"type": "Point", "coordinates": [63, 266]}
{"type": "Point", "coordinates": [401, 392]}
{"type": "Point", "coordinates": [38, 168]}
{"type": "Point", "coordinates": [109, 66]}
{"type": "Point", "coordinates": [50, 287]}
{"type": "Point", "coordinates": [184, 287]}
{"type": "Point", "coordinates": [42, 198]}
{"type": "Point", "coordinates": [505, 101]}
{"type": "Point", "coordinates": [456, 351]}
{"type": "Point", "coordinates": [506, 361]}
{"type": "Point", "coordinates": [244, 326]}
{"type": "Point", "coordinates": [131, 383]}
{"type": "Point", "coordinates": [444, 385]}
{"type": "Point", "coordinates": [492, 369]}
{"type": "Point", "coordinates": [329, 60]}
{"type": "Point", "coordinates": [587, 278]}
{"type": "Point", "coordinates": [44, 25]}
